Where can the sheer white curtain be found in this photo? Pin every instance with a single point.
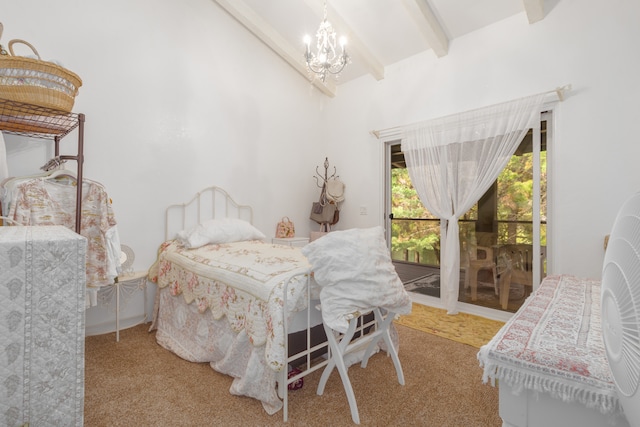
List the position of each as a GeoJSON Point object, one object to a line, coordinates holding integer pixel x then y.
{"type": "Point", "coordinates": [452, 162]}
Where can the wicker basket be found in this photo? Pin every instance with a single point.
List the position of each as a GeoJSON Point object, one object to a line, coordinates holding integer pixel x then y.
{"type": "Point", "coordinates": [37, 82]}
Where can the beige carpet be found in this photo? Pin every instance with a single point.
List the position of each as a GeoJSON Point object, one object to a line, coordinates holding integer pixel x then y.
{"type": "Point", "coordinates": [135, 382]}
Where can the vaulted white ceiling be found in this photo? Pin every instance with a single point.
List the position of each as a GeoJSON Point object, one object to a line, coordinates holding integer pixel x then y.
{"type": "Point", "coordinates": [379, 32]}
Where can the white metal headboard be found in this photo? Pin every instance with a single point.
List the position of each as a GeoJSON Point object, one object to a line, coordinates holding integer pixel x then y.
{"type": "Point", "coordinates": [209, 203]}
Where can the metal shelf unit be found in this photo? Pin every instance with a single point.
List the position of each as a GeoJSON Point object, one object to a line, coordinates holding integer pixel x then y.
{"type": "Point", "coordinates": [38, 122]}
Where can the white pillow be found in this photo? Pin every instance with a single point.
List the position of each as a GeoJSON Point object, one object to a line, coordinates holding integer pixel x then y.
{"type": "Point", "coordinates": [217, 231]}
{"type": "Point", "coordinates": [355, 273]}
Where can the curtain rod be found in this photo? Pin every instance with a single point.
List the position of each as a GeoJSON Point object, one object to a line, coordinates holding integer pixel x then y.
{"type": "Point", "coordinates": [384, 133]}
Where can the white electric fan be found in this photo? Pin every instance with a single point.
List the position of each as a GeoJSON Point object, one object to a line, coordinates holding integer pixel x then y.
{"type": "Point", "coordinates": [621, 306]}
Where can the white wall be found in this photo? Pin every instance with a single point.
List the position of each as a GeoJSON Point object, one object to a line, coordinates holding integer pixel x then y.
{"type": "Point", "coordinates": [179, 96]}
{"type": "Point", "coordinates": [589, 44]}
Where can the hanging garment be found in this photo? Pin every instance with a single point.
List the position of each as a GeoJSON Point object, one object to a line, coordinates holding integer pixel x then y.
{"type": "Point", "coordinates": [48, 202]}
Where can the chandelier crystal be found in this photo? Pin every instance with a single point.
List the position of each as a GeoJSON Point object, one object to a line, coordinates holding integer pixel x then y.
{"type": "Point", "coordinates": [326, 61]}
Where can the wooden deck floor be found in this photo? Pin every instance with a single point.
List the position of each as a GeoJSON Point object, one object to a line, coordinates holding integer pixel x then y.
{"type": "Point", "coordinates": [408, 271]}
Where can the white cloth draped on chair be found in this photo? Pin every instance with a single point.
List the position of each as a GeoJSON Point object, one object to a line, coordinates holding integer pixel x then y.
{"type": "Point", "coordinates": [453, 160]}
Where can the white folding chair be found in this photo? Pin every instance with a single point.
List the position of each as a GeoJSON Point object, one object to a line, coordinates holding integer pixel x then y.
{"type": "Point", "coordinates": [340, 345]}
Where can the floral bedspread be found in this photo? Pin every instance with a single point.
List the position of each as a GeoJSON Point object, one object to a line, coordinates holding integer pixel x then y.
{"type": "Point", "coordinates": [242, 282]}
{"type": "Point", "coordinates": [553, 344]}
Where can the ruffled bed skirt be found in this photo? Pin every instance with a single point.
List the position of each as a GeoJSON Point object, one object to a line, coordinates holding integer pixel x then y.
{"type": "Point", "coordinates": [198, 337]}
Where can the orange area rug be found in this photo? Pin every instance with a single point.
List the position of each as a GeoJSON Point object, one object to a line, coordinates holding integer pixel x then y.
{"type": "Point", "coordinates": [464, 328]}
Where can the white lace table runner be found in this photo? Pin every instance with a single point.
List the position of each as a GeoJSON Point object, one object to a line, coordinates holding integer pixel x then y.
{"type": "Point", "coordinates": [553, 344]}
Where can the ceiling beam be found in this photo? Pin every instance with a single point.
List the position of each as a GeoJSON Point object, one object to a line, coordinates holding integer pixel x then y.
{"type": "Point", "coordinates": [429, 26]}
{"type": "Point", "coordinates": [265, 32]}
{"type": "Point", "coordinates": [355, 47]}
{"type": "Point", "coordinates": [534, 9]}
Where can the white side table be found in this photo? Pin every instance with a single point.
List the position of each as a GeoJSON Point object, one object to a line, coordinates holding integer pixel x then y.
{"type": "Point", "coordinates": [291, 241]}
{"type": "Point", "coordinates": [126, 284]}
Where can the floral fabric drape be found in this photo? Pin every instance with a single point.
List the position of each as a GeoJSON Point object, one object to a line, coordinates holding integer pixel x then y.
{"type": "Point", "coordinates": [453, 160]}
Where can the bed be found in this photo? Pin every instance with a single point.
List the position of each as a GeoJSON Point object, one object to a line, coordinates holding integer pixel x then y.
{"type": "Point", "coordinates": [222, 303]}
{"type": "Point", "coordinates": [247, 307]}
{"type": "Point", "coordinates": [549, 359]}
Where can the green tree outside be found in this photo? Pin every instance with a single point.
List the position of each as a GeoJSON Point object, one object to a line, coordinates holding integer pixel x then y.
{"type": "Point", "coordinates": [415, 232]}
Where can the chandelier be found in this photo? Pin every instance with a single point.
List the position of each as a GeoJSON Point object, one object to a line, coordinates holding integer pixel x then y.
{"type": "Point", "coordinates": [326, 60]}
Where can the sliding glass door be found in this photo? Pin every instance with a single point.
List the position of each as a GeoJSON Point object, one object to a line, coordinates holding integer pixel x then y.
{"type": "Point", "coordinates": [415, 233]}
{"type": "Point", "coordinates": [502, 237]}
